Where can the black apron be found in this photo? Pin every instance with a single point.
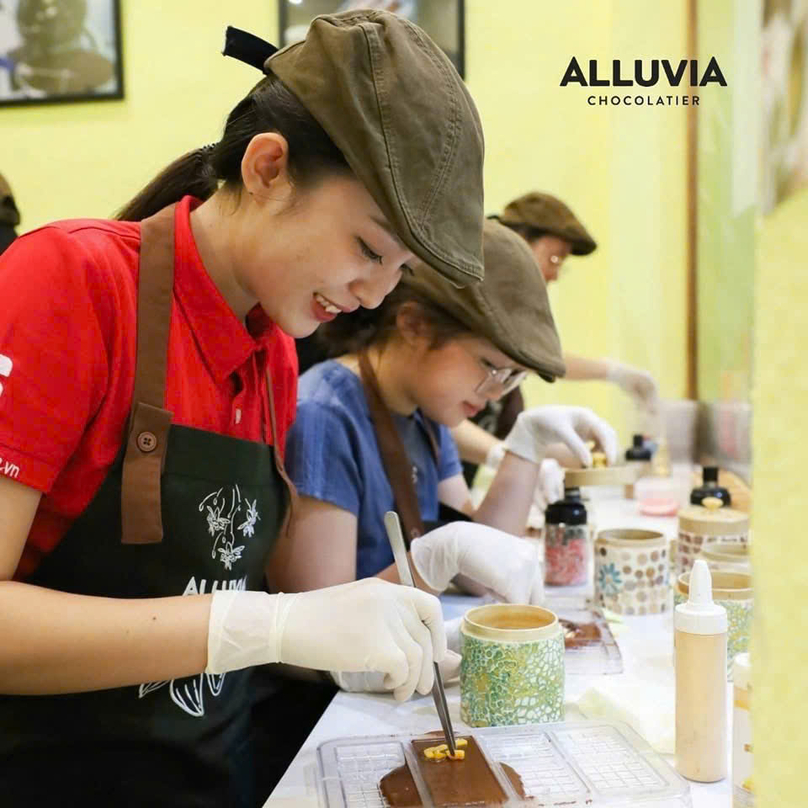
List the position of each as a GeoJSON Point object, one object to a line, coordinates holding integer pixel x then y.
{"type": "Point", "coordinates": [221, 503]}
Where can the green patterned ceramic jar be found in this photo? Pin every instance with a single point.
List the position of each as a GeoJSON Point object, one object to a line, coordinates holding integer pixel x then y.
{"type": "Point", "coordinates": [513, 666]}
{"type": "Point", "coordinates": [733, 591]}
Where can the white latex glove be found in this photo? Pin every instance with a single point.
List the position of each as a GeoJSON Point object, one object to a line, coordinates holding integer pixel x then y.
{"type": "Point", "coordinates": [504, 565]}
{"type": "Point", "coordinates": [550, 487]}
{"type": "Point", "coordinates": [636, 382]}
{"type": "Point", "coordinates": [536, 429]}
{"type": "Point", "coordinates": [367, 625]}
{"type": "Point", "coordinates": [373, 682]}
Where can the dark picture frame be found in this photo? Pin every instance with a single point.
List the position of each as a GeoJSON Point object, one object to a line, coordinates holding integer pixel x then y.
{"type": "Point", "coordinates": [60, 51]}
{"type": "Point", "coordinates": [443, 20]}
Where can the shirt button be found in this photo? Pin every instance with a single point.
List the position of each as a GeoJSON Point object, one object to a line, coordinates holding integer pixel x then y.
{"type": "Point", "coordinates": [238, 416]}
{"type": "Point", "coordinates": [146, 441]}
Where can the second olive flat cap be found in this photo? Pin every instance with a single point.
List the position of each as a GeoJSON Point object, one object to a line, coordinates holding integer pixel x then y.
{"type": "Point", "coordinates": [509, 307]}
{"type": "Point", "coordinates": [395, 106]}
{"type": "Point", "coordinates": [547, 212]}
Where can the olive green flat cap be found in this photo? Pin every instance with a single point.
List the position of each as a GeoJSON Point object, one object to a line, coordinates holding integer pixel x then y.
{"type": "Point", "coordinates": [395, 106]}
{"type": "Point", "coordinates": [546, 212]}
{"type": "Point", "coordinates": [509, 307]}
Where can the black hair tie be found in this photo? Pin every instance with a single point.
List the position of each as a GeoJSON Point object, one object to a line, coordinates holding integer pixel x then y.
{"type": "Point", "coordinates": [247, 48]}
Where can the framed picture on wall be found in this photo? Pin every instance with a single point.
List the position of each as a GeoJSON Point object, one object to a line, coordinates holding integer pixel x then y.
{"type": "Point", "coordinates": [441, 19]}
{"type": "Point", "coordinates": [59, 50]}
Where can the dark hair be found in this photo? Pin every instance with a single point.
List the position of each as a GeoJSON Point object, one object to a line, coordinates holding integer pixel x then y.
{"type": "Point", "coordinates": [364, 328]}
{"type": "Point", "coordinates": [269, 107]}
{"type": "Point", "coordinates": [526, 231]}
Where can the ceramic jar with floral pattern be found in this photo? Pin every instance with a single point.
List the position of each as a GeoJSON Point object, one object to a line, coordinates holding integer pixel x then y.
{"type": "Point", "coordinates": [512, 670]}
{"type": "Point", "coordinates": [632, 571]}
{"type": "Point", "coordinates": [733, 591]}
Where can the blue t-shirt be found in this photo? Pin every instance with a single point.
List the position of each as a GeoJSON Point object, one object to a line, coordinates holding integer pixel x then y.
{"type": "Point", "coordinates": [332, 455]}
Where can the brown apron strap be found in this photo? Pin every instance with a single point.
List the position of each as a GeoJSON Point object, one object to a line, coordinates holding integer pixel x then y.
{"type": "Point", "coordinates": [279, 455]}
{"type": "Point", "coordinates": [149, 422]}
{"type": "Point", "coordinates": [394, 456]}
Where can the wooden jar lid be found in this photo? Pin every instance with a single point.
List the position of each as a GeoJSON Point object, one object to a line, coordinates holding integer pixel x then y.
{"type": "Point", "coordinates": [707, 522]}
{"type": "Point", "coordinates": [609, 475]}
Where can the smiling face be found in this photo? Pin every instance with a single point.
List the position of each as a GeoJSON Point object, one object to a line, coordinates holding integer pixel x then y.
{"type": "Point", "coordinates": [550, 252]}
{"type": "Point", "coordinates": [443, 382]}
{"type": "Point", "coordinates": [331, 252]}
{"type": "Point", "coordinates": [304, 253]}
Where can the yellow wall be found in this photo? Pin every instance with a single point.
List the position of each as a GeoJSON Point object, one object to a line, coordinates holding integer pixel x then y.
{"type": "Point", "coordinates": [780, 435]}
{"type": "Point", "coordinates": [621, 170]}
{"type": "Point", "coordinates": [728, 196]}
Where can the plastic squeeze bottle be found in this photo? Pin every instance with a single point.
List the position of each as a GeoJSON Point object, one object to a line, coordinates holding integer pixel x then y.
{"type": "Point", "coordinates": [700, 638]}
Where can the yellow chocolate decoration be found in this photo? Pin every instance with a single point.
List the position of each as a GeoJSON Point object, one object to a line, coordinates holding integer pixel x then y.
{"type": "Point", "coordinates": [441, 751]}
{"type": "Point", "coordinates": [598, 460]}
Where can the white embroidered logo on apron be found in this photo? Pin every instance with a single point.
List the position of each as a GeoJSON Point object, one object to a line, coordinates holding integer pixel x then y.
{"type": "Point", "coordinates": [227, 515]}
{"type": "Point", "coordinates": [188, 694]}
{"type": "Point", "coordinates": [223, 512]}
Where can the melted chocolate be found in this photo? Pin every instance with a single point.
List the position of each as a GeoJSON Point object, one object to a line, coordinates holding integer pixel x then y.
{"type": "Point", "coordinates": [467, 782]}
{"type": "Point", "coordinates": [578, 635]}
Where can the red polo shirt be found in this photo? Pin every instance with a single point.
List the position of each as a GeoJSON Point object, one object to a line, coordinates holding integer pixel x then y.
{"type": "Point", "coordinates": [68, 305]}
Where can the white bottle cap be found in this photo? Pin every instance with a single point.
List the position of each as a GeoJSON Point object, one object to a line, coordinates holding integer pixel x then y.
{"type": "Point", "coordinates": [699, 615]}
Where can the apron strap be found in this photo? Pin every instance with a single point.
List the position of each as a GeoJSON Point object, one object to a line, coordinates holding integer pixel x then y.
{"type": "Point", "coordinates": [394, 455]}
{"type": "Point", "coordinates": [149, 422]}
{"type": "Point", "coordinates": [279, 452]}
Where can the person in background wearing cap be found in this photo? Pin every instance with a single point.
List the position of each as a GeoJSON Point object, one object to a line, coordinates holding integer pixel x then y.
{"type": "Point", "coordinates": [148, 383]}
{"type": "Point", "coordinates": [553, 232]}
{"type": "Point", "coordinates": [372, 433]}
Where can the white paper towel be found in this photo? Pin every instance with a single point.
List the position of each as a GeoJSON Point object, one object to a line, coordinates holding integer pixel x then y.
{"type": "Point", "coordinates": [648, 708]}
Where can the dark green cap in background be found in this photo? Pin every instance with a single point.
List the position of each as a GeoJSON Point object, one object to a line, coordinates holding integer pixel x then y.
{"type": "Point", "coordinates": [395, 106]}
{"type": "Point", "coordinates": [546, 212]}
{"type": "Point", "coordinates": [509, 307]}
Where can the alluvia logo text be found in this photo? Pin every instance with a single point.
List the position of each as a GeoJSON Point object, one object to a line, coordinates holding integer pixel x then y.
{"type": "Point", "coordinates": [645, 75]}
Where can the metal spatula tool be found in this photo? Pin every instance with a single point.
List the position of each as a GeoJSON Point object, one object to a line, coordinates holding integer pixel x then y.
{"type": "Point", "coordinates": [396, 537]}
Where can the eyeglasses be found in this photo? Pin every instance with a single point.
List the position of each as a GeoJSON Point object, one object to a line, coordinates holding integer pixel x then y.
{"type": "Point", "coordinates": [501, 380]}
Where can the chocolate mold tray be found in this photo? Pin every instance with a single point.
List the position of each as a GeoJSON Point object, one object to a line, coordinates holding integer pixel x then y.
{"type": "Point", "coordinates": [591, 764]}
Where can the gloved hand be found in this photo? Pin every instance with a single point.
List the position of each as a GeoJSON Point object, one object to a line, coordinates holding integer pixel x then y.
{"type": "Point", "coordinates": [367, 625]}
{"type": "Point", "coordinates": [536, 429]}
{"type": "Point", "coordinates": [636, 382]}
{"type": "Point", "coordinates": [506, 566]}
{"type": "Point", "coordinates": [373, 682]}
{"type": "Point", "coordinates": [550, 487]}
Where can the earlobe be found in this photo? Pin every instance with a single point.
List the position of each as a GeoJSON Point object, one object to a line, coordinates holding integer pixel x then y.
{"type": "Point", "coordinates": [265, 162]}
{"type": "Point", "coordinates": [411, 327]}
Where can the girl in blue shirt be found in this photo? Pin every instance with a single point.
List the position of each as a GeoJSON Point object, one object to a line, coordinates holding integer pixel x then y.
{"type": "Point", "coordinates": [436, 354]}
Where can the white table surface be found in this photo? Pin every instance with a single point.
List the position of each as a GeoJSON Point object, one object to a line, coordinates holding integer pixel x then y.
{"type": "Point", "coordinates": [645, 644]}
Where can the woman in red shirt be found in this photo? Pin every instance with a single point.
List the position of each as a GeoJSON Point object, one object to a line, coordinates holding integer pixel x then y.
{"type": "Point", "coordinates": [148, 380]}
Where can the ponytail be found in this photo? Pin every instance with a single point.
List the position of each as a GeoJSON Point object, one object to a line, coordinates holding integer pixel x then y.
{"type": "Point", "coordinates": [190, 174]}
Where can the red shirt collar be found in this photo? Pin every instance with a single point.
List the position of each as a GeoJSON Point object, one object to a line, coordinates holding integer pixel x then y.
{"type": "Point", "coordinates": [224, 342]}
